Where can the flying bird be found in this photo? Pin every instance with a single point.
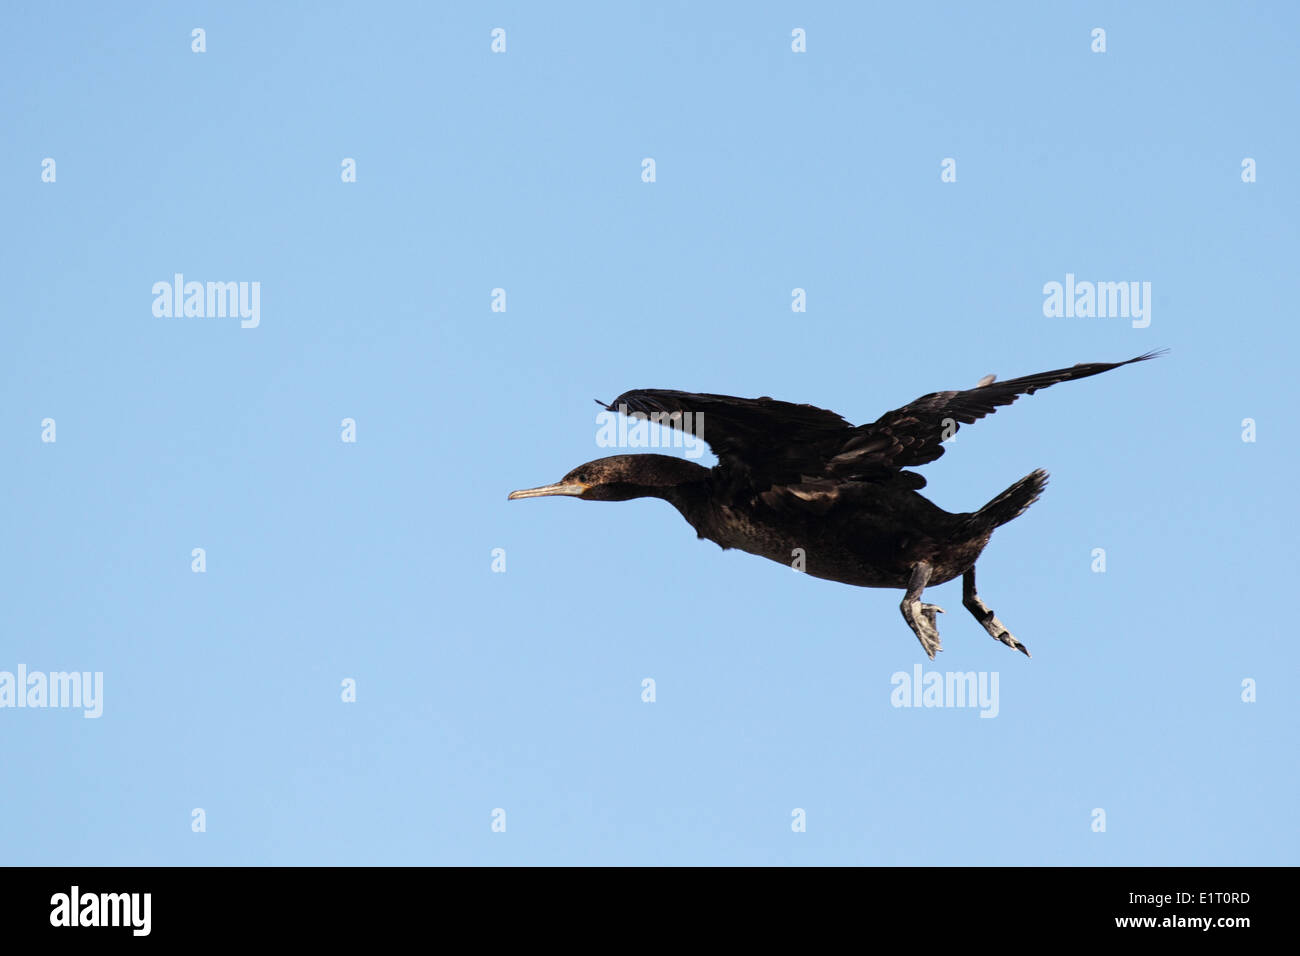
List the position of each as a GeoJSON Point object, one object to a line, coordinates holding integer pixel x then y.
{"type": "Point", "coordinates": [793, 477]}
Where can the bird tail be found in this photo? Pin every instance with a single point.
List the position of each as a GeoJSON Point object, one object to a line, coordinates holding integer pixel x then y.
{"type": "Point", "coordinates": [1011, 503]}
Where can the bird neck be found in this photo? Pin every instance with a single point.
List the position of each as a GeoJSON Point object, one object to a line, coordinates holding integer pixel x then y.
{"type": "Point", "coordinates": [692, 499]}
{"type": "Point", "coordinates": [683, 484]}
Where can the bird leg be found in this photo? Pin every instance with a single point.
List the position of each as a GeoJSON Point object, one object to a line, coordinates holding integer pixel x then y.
{"type": "Point", "coordinates": [920, 617]}
{"type": "Point", "coordinates": [984, 614]}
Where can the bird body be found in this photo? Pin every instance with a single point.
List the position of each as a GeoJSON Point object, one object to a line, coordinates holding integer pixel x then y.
{"type": "Point", "coordinates": [799, 485]}
{"type": "Point", "coordinates": [869, 536]}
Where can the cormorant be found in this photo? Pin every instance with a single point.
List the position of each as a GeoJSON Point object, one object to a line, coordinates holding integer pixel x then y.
{"type": "Point", "coordinates": [800, 477]}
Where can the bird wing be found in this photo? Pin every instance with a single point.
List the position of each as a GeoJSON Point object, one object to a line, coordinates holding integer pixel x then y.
{"type": "Point", "coordinates": [761, 439]}
{"type": "Point", "coordinates": [802, 451]}
{"type": "Point", "coordinates": [914, 434]}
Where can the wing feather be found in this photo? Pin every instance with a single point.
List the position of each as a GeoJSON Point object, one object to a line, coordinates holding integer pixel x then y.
{"type": "Point", "coordinates": [790, 454]}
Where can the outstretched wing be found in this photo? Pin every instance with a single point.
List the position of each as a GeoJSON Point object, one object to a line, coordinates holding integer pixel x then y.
{"type": "Point", "coordinates": [761, 440]}
{"type": "Point", "coordinates": [914, 434]}
{"type": "Point", "coordinates": [804, 451]}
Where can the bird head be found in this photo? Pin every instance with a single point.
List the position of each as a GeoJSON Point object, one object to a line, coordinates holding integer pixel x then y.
{"type": "Point", "coordinates": [621, 478]}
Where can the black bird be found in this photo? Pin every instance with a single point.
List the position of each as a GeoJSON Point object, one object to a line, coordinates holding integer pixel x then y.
{"type": "Point", "coordinates": [795, 477]}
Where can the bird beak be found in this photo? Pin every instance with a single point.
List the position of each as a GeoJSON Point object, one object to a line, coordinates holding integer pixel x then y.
{"type": "Point", "coordinates": [574, 489]}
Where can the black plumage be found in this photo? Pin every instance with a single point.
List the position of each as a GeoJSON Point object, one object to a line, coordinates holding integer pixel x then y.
{"type": "Point", "coordinates": [797, 482]}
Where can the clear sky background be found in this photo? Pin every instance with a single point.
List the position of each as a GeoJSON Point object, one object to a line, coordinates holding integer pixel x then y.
{"type": "Point", "coordinates": [522, 690]}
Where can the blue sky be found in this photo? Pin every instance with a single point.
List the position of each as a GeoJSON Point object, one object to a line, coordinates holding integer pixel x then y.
{"type": "Point", "coordinates": [774, 170]}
